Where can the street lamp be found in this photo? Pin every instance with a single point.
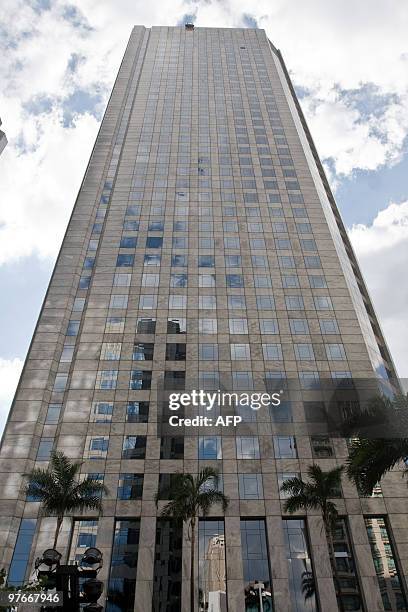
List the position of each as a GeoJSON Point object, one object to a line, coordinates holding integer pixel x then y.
{"type": "Point", "coordinates": [77, 582]}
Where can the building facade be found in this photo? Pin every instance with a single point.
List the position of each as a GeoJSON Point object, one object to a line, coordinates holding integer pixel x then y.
{"type": "Point", "coordinates": [205, 251]}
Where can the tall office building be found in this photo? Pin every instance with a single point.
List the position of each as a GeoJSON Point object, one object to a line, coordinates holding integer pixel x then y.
{"type": "Point", "coordinates": [205, 251]}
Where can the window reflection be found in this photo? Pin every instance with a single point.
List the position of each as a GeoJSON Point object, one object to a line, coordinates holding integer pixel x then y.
{"type": "Point", "coordinates": [212, 572]}
{"type": "Point", "coordinates": [301, 579]}
{"type": "Point", "coordinates": [257, 580]}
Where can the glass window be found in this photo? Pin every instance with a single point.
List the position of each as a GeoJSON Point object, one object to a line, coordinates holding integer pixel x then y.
{"type": "Point", "coordinates": [207, 302]}
{"type": "Point", "coordinates": [101, 412]}
{"type": "Point", "coordinates": [79, 304]}
{"type": "Point", "coordinates": [150, 280]}
{"type": "Point", "coordinates": [73, 328]}
{"type": "Point", "coordinates": [302, 586]}
{"type": "Point", "coordinates": [238, 326]}
{"type": "Point", "coordinates": [236, 302]}
{"type": "Point", "coordinates": [209, 447]}
{"type": "Point", "coordinates": [118, 301]}
{"type": "Point", "coordinates": [233, 261]}
{"type": "Point", "coordinates": [67, 353]}
{"type": "Point", "coordinates": [255, 561]}
{"type": "Point", "coordinates": [154, 242]}
{"type": "Point", "coordinates": [283, 477]}
{"type": "Point", "coordinates": [21, 553]}
{"type": "Point", "coordinates": [122, 280]}
{"type": "Point", "coordinates": [177, 302]}
{"type": "Point", "coordinates": [321, 447]}
{"type": "Point", "coordinates": [146, 325]}
{"type": "Point", "coordinates": [268, 326]}
{"type": "Point", "coordinates": [242, 380]}
{"type": "Point", "coordinates": [115, 325]}
{"type": "Point", "coordinates": [176, 352]}
{"type": "Point", "coordinates": [250, 486]}
{"type": "Point", "coordinates": [111, 351]}
{"type": "Point", "coordinates": [272, 352]}
{"type": "Point", "coordinates": [206, 261]}
{"type": "Point", "coordinates": [335, 352]}
{"type": "Point", "coordinates": [134, 447]}
{"type": "Point", "coordinates": [152, 260]}
{"type": "Point", "coordinates": [53, 414]}
{"type": "Point", "coordinates": [208, 352]}
{"type": "Point", "coordinates": [247, 447]}
{"type": "Point", "coordinates": [304, 352]}
{"type": "Point", "coordinates": [329, 326]}
{"type": "Point", "coordinates": [290, 281]}
{"type": "Point", "coordinates": [299, 326]}
{"type": "Point", "coordinates": [106, 379]}
{"type": "Point", "coordinates": [44, 449]}
{"type": "Point", "coordinates": [179, 261]}
{"type": "Point", "coordinates": [97, 448]}
{"type": "Point", "coordinates": [143, 351]}
{"type": "Point", "coordinates": [211, 551]}
{"type": "Point", "coordinates": [140, 379]}
{"type": "Point", "coordinates": [130, 486]}
{"type": "Point", "coordinates": [167, 581]}
{"type": "Point", "coordinates": [137, 412]}
{"type": "Point", "coordinates": [178, 280]}
{"type": "Point", "coordinates": [60, 383]}
{"type": "Point", "coordinates": [172, 447]}
{"type": "Point", "coordinates": [265, 302]}
{"type": "Point", "coordinates": [285, 447]}
{"type": "Point", "coordinates": [125, 260]}
{"type": "Point", "coordinates": [176, 326]}
{"type": "Point", "coordinates": [207, 326]}
{"type": "Point", "coordinates": [323, 302]}
{"type": "Point", "coordinates": [174, 380]}
{"type": "Point", "coordinates": [385, 563]}
{"type": "Point", "coordinates": [122, 575]}
{"type": "Point", "coordinates": [309, 380]}
{"type": "Point", "coordinates": [317, 282]}
{"type": "Point", "coordinates": [281, 413]}
{"type": "Point", "coordinates": [128, 242]}
{"type": "Point", "coordinates": [294, 302]}
{"type": "Point", "coordinates": [240, 352]}
{"type": "Point", "coordinates": [261, 280]}
{"type": "Point", "coordinates": [235, 280]}
{"type": "Point", "coordinates": [206, 280]}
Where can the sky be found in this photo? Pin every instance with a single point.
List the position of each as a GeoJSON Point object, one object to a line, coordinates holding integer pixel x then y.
{"type": "Point", "coordinates": [348, 61]}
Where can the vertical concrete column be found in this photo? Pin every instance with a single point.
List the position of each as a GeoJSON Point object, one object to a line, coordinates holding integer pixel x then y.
{"type": "Point", "coordinates": [321, 559]}
{"type": "Point", "coordinates": [145, 564]}
{"type": "Point", "coordinates": [233, 560]}
{"type": "Point", "coordinates": [364, 562]}
{"type": "Point", "coordinates": [279, 564]}
{"type": "Point", "coordinates": [104, 540]}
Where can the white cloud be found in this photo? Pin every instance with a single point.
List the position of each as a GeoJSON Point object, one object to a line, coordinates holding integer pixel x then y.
{"type": "Point", "coordinates": [332, 50]}
{"type": "Point", "coordinates": [382, 250]}
{"type": "Point", "coordinates": [10, 370]}
{"type": "Point", "coordinates": [38, 189]}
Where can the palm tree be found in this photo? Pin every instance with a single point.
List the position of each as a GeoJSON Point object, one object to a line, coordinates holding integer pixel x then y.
{"type": "Point", "coordinates": [189, 496]}
{"type": "Point", "coordinates": [380, 440]}
{"type": "Point", "coordinates": [60, 491]}
{"type": "Point", "coordinates": [315, 494]}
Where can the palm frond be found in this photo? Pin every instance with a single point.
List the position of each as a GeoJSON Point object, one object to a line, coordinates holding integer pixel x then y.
{"type": "Point", "coordinates": [207, 499]}
{"type": "Point", "coordinates": [370, 459]}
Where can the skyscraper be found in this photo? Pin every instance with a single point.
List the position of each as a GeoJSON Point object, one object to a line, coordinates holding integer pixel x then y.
{"type": "Point", "coordinates": [205, 251]}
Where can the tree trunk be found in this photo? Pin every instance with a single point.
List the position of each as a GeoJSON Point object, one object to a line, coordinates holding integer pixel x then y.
{"type": "Point", "coordinates": [57, 530]}
{"type": "Point", "coordinates": [192, 577]}
{"type": "Point", "coordinates": [329, 536]}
